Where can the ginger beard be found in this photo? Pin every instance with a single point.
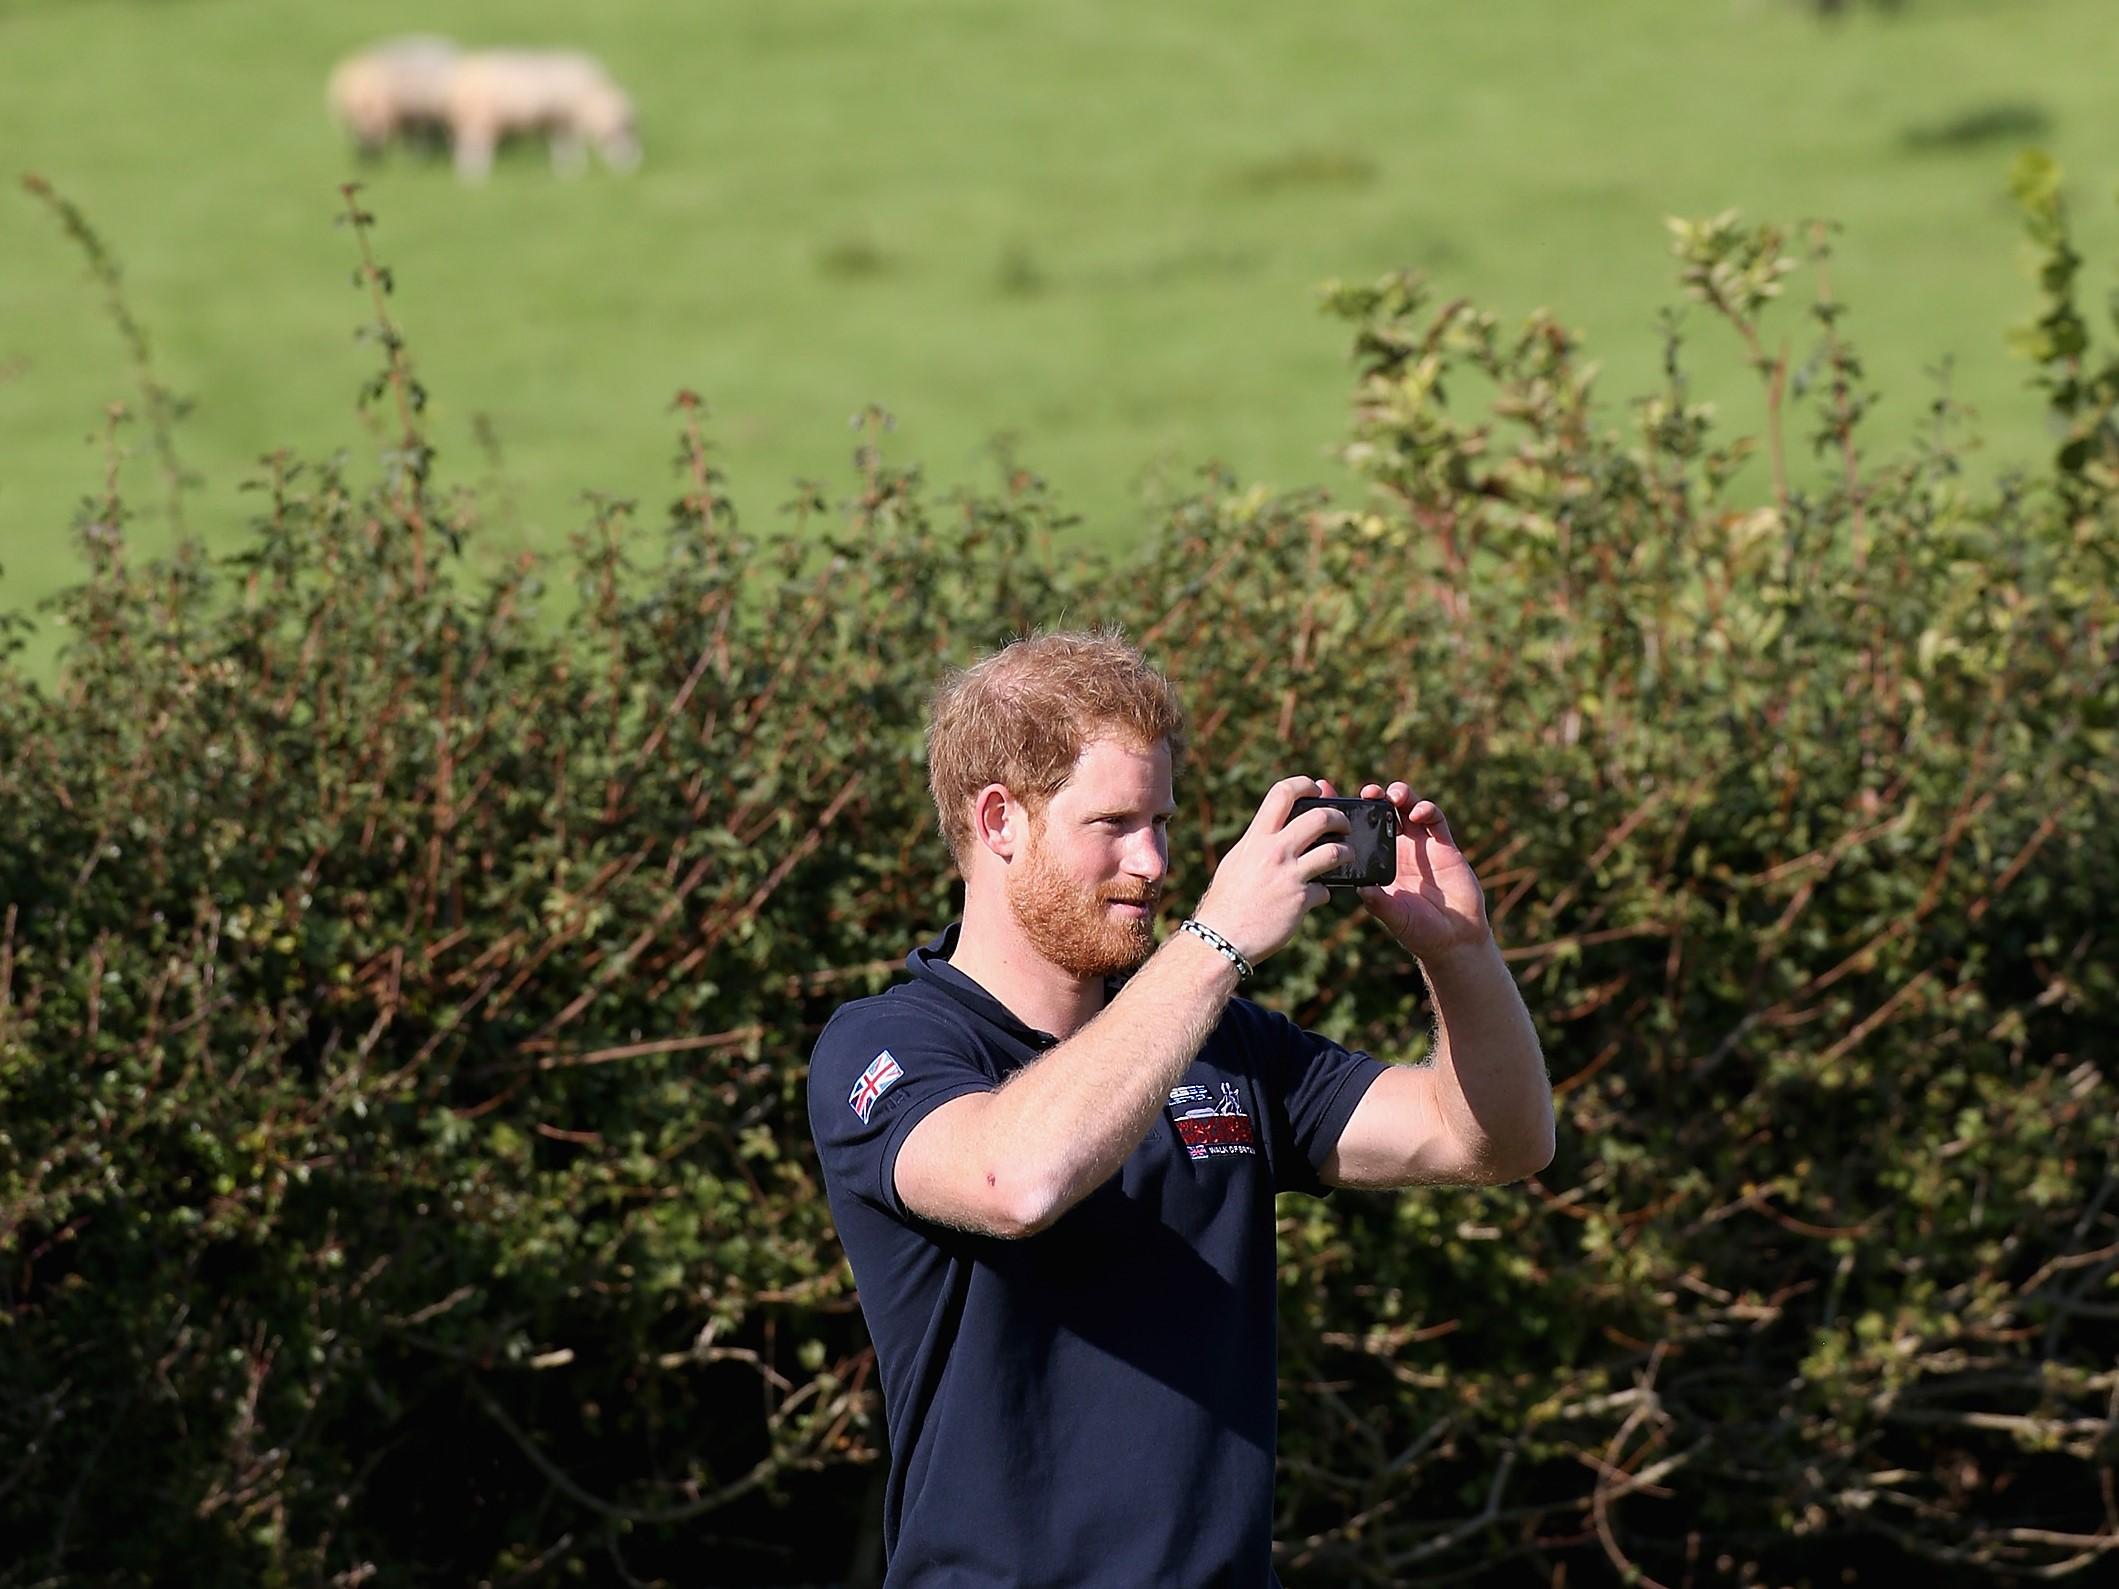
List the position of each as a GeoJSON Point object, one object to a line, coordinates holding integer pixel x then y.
{"type": "Point", "coordinates": [1073, 927]}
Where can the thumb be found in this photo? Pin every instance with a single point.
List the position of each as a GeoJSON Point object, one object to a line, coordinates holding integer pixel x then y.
{"type": "Point", "coordinates": [1279, 801]}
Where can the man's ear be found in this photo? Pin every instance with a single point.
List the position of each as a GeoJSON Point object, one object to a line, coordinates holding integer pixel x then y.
{"type": "Point", "coordinates": [998, 821]}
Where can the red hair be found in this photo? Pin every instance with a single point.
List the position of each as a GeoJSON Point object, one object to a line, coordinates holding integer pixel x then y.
{"type": "Point", "coordinates": [1022, 716]}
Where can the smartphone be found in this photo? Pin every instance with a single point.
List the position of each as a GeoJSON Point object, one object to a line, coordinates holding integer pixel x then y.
{"type": "Point", "coordinates": [1374, 840]}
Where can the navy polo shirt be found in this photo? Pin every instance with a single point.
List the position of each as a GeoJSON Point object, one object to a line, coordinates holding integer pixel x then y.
{"type": "Point", "coordinates": [1094, 1404]}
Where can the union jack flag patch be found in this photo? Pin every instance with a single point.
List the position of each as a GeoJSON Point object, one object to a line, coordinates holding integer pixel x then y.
{"type": "Point", "coordinates": [879, 1075]}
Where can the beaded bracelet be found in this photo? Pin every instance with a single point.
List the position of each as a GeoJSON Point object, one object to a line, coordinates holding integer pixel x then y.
{"type": "Point", "coordinates": [1202, 931]}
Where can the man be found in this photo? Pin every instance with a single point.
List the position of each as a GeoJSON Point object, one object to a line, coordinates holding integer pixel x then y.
{"type": "Point", "coordinates": [1056, 1188]}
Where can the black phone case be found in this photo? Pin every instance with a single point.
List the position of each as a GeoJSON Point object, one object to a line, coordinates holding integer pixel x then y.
{"type": "Point", "coordinates": [1374, 840]}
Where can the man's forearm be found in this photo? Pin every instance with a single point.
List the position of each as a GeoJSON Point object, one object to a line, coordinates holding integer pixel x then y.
{"type": "Point", "coordinates": [1499, 1105]}
{"type": "Point", "coordinates": [1063, 1125]}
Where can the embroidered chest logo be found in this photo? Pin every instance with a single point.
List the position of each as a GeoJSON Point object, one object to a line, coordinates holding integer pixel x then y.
{"type": "Point", "coordinates": [1211, 1125]}
{"type": "Point", "coordinates": [879, 1075]}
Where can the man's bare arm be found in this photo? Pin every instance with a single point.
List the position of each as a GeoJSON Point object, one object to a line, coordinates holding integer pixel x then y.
{"type": "Point", "coordinates": [1479, 1112]}
{"type": "Point", "coordinates": [1010, 1162]}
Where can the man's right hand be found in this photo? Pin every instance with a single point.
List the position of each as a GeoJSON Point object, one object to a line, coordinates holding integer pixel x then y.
{"type": "Point", "coordinates": [1267, 883]}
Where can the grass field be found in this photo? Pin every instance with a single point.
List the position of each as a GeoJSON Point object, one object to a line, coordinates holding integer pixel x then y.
{"type": "Point", "coordinates": [1092, 224]}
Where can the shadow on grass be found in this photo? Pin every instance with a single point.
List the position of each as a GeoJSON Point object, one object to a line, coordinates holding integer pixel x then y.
{"type": "Point", "coordinates": [851, 257]}
{"type": "Point", "coordinates": [2006, 121]}
{"type": "Point", "coordinates": [1297, 169]}
{"type": "Point", "coordinates": [1019, 272]}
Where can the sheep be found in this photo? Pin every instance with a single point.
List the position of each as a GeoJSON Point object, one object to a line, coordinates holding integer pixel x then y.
{"type": "Point", "coordinates": [398, 88]}
{"type": "Point", "coordinates": [566, 96]}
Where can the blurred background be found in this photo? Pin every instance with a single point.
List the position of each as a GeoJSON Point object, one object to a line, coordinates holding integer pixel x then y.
{"type": "Point", "coordinates": [1089, 226]}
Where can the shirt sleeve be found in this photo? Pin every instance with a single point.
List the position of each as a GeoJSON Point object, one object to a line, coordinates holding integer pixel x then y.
{"type": "Point", "coordinates": [1312, 1086]}
{"type": "Point", "coordinates": [870, 1082]}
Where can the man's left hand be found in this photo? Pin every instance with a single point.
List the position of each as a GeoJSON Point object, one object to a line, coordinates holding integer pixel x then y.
{"type": "Point", "coordinates": [1436, 905]}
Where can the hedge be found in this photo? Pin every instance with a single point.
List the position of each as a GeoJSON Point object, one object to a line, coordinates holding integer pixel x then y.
{"type": "Point", "coordinates": [406, 979]}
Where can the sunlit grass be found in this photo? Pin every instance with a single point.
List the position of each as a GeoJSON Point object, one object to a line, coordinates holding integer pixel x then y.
{"type": "Point", "coordinates": [1095, 226]}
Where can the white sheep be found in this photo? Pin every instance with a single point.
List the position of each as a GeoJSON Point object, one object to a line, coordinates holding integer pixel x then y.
{"type": "Point", "coordinates": [396, 89]}
{"type": "Point", "coordinates": [566, 97]}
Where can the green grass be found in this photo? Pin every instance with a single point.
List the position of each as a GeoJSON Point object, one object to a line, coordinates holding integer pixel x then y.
{"type": "Point", "coordinates": [1095, 225]}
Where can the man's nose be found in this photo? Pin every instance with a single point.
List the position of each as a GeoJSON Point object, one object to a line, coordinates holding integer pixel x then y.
{"type": "Point", "coordinates": [1150, 860]}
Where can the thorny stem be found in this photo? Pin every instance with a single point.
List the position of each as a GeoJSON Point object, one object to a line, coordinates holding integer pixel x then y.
{"type": "Point", "coordinates": [411, 474]}
{"type": "Point", "coordinates": [1842, 396]}
{"type": "Point", "coordinates": [701, 500]}
{"type": "Point", "coordinates": [1775, 371]}
{"type": "Point", "coordinates": [161, 408]}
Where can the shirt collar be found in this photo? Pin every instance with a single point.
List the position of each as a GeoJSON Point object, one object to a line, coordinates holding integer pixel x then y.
{"type": "Point", "coordinates": [930, 964]}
